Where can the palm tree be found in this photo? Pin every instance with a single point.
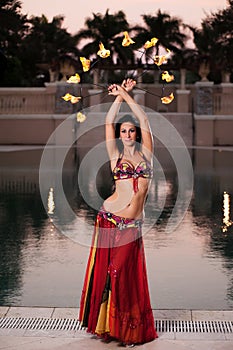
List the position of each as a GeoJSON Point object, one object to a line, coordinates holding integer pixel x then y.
{"type": "Point", "coordinates": [13, 25]}
{"type": "Point", "coordinates": [166, 28]}
{"type": "Point", "coordinates": [107, 29]}
{"type": "Point", "coordinates": [214, 42]}
{"type": "Point", "coordinates": [46, 43]}
{"type": "Point", "coordinates": [221, 24]}
{"type": "Point", "coordinates": [12, 31]}
{"type": "Point", "coordinates": [48, 40]}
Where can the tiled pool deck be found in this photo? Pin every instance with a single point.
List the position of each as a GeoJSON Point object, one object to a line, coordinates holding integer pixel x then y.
{"type": "Point", "coordinates": [37, 339]}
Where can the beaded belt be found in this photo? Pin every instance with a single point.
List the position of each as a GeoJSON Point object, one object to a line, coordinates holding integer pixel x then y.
{"type": "Point", "coordinates": [118, 221]}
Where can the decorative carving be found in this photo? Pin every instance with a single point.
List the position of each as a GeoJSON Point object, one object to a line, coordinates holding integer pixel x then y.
{"type": "Point", "coordinates": [204, 70]}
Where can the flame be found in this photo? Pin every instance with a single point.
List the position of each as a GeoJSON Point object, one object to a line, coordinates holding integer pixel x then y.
{"type": "Point", "coordinates": [167, 99]}
{"type": "Point", "coordinates": [81, 117]}
{"type": "Point", "coordinates": [168, 77]}
{"type": "Point", "coordinates": [151, 43]}
{"type": "Point", "coordinates": [127, 40]}
{"type": "Point", "coordinates": [103, 53]}
{"type": "Point", "coordinates": [71, 98]}
{"type": "Point", "coordinates": [51, 203]}
{"type": "Point", "coordinates": [85, 63]}
{"type": "Point", "coordinates": [226, 212]}
{"type": "Point", "coordinates": [74, 79]}
{"type": "Point", "coordinates": [161, 59]}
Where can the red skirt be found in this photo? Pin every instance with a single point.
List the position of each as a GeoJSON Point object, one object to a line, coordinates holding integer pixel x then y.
{"type": "Point", "coordinates": [115, 298]}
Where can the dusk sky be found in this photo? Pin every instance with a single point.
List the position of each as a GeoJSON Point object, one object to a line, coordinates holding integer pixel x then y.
{"type": "Point", "coordinates": [76, 11]}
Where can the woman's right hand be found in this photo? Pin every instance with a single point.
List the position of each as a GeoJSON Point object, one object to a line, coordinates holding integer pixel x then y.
{"type": "Point", "coordinates": [128, 84]}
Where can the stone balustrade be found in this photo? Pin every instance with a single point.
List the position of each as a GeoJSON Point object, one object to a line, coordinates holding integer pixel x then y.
{"type": "Point", "coordinates": [26, 101]}
{"type": "Point", "coordinates": [30, 115]}
{"type": "Point", "coordinates": [209, 99]}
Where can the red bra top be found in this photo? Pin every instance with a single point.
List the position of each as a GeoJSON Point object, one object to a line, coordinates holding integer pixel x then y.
{"type": "Point", "coordinates": [126, 170]}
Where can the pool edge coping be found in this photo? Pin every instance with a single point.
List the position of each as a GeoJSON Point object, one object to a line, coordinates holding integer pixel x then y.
{"type": "Point", "coordinates": [72, 312]}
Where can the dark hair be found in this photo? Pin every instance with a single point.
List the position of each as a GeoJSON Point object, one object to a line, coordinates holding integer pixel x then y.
{"type": "Point", "coordinates": [127, 118]}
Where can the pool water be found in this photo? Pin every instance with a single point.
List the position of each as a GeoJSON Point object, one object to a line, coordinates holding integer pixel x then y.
{"type": "Point", "coordinates": [189, 267]}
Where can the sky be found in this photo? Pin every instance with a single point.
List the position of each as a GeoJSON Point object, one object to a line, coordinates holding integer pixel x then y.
{"type": "Point", "coordinates": [76, 11]}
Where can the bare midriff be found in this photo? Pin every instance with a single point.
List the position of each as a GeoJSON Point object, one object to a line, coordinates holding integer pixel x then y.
{"type": "Point", "coordinates": [125, 202]}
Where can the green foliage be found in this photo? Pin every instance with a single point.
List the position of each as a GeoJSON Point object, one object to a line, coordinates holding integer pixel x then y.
{"type": "Point", "coordinates": [164, 27]}
{"type": "Point", "coordinates": [48, 40]}
{"type": "Point", "coordinates": [30, 46]}
{"type": "Point", "coordinates": [13, 73]}
{"type": "Point", "coordinates": [13, 26]}
{"type": "Point", "coordinates": [214, 40]}
{"type": "Point", "coordinates": [107, 29]}
{"type": "Point", "coordinates": [46, 43]}
{"type": "Point", "coordinates": [12, 31]}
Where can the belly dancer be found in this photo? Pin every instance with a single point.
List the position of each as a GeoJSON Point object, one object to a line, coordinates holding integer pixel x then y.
{"type": "Point", "coordinates": [115, 301]}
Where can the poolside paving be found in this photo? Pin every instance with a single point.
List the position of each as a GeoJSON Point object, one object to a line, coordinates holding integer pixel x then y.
{"type": "Point", "coordinates": [39, 339]}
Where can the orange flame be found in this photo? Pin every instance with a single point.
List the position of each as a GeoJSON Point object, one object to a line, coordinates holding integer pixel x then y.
{"type": "Point", "coordinates": [151, 43]}
{"type": "Point", "coordinates": [103, 53]}
{"type": "Point", "coordinates": [161, 59]}
{"type": "Point", "coordinates": [71, 98]}
{"type": "Point", "coordinates": [167, 99]}
{"type": "Point", "coordinates": [168, 77]}
{"type": "Point", "coordinates": [127, 40]}
{"type": "Point", "coordinates": [74, 79]}
{"type": "Point", "coordinates": [81, 117]}
{"type": "Point", "coordinates": [85, 63]}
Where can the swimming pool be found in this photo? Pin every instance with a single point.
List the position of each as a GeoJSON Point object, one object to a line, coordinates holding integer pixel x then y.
{"type": "Point", "coordinates": [188, 268]}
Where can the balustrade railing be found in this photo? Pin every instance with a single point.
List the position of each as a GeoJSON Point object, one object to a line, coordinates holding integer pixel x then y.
{"type": "Point", "coordinates": [26, 101]}
{"type": "Point", "coordinates": [223, 103]}
{"type": "Point", "coordinates": [21, 101]}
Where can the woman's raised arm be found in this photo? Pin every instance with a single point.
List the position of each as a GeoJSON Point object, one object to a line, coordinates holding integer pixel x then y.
{"type": "Point", "coordinates": [147, 139]}
{"type": "Point", "coordinates": [111, 145]}
{"type": "Point", "coordinates": [109, 128]}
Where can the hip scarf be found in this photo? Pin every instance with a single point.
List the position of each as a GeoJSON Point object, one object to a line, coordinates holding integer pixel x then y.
{"type": "Point", "coordinates": [115, 297]}
{"type": "Point", "coordinates": [120, 222]}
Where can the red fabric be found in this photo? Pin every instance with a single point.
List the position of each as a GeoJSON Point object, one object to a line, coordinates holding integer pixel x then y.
{"type": "Point", "coordinates": [135, 184]}
{"type": "Point", "coordinates": [130, 315]}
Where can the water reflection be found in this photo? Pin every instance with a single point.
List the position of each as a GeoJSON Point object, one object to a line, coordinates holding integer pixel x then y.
{"type": "Point", "coordinates": [21, 218]}
{"type": "Point", "coordinates": [51, 203]}
{"type": "Point", "coordinates": [188, 268]}
{"type": "Point", "coordinates": [226, 212]}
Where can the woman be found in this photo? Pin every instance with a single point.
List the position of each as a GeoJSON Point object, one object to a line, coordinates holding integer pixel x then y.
{"type": "Point", "coordinates": [115, 301]}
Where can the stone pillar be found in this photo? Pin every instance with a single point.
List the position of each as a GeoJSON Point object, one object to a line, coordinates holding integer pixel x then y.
{"type": "Point", "coordinates": [61, 106]}
{"type": "Point", "coordinates": [183, 101]}
{"type": "Point", "coordinates": [156, 76]}
{"type": "Point", "coordinates": [226, 76]}
{"type": "Point", "coordinates": [59, 89]}
{"type": "Point", "coordinates": [182, 78]}
{"type": "Point", "coordinates": [95, 97]}
{"type": "Point", "coordinates": [96, 75]}
{"type": "Point", "coordinates": [204, 98]}
{"type": "Point", "coordinates": [204, 130]}
{"type": "Point", "coordinates": [64, 133]}
{"type": "Point", "coordinates": [139, 76]}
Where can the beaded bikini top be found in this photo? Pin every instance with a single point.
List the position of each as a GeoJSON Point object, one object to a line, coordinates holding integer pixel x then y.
{"type": "Point", "coordinates": [126, 170]}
